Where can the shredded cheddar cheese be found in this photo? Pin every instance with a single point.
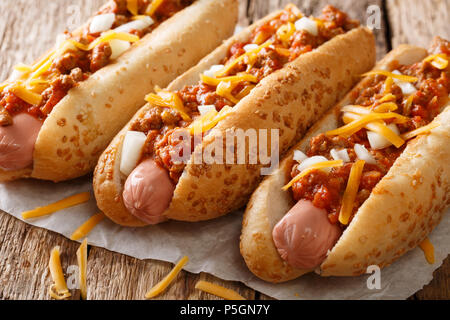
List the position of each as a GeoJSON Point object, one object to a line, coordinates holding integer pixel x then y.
{"type": "Point", "coordinates": [168, 100]}
{"type": "Point", "coordinates": [251, 55]}
{"type": "Point", "coordinates": [285, 32]}
{"type": "Point", "coordinates": [428, 249]}
{"type": "Point", "coordinates": [245, 92]}
{"type": "Point", "coordinates": [217, 290]}
{"type": "Point", "coordinates": [354, 126]}
{"type": "Point", "coordinates": [225, 88]}
{"type": "Point", "coordinates": [105, 37]}
{"type": "Point", "coordinates": [317, 166]}
{"type": "Point", "coordinates": [82, 266]}
{"type": "Point", "coordinates": [59, 205]}
{"type": "Point", "coordinates": [83, 230]}
{"type": "Point", "coordinates": [26, 95]}
{"type": "Point", "coordinates": [422, 130]}
{"type": "Point", "coordinates": [132, 6]}
{"type": "Point", "coordinates": [439, 61]}
{"type": "Point", "coordinates": [409, 103]}
{"type": "Point", "coordinates": [392, 75]}
{"type": "Point", "coordinates": [163, 284]}
{"type": "Point", "coordinates": [58, 290]}
{"type": "Point", "coordinates": [388, 85]}
{"type": "Point", "coordinates": [388, 97]}
{"type": "Point", "coordinates": [23, 68]}
{"type": "Point", "coordinates": [379, 127]}
{"type": "Point", "coordinates": [351, 192]}
{"type": "Point", "coordinates": [209, 120]}
{"type": "Point", "coordinates": [152, 7]}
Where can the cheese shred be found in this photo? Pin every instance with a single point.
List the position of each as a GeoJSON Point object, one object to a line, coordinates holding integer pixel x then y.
{"type": "Point", "coordinates": [57, 206]}
{"type": "Point", "coordinates": [58, 290]}
{"type": "Point", "coordinates": [164, 283]}
{"type": "Point", "coordinates": [422, 130]}
{"type": "Point", "coordinates": [351, 191]}
{"type": "Point", "coordinates": [83, 230]}
{"type": "Point", "coordinates": [219, 291]}
{"type": "Point", "coordinates": [317, 166]}
{"type": "Point", "coordinates": [82, 266]}
{"type": "Point", "coordinates": [428, 249]}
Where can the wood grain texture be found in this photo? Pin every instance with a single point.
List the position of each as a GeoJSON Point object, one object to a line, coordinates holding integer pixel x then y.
{"type": "Point", "coordinates": [417, 21]}
{"type": "Point", "coordinates": [25, 250]}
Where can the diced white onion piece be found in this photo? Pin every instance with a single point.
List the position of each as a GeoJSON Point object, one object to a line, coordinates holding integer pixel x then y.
{"type": "Point", "coordinates": [118, 47]}
{"type": "Point", "coordinates": [250, 47]}
{"type": "Point", "coordinates": [407, 87]}
{"type": "Point", "coordinates": [311, 161]}
{"type": "Point", "coordinates": [211, 71]}
{"type": "Point", "coordinates": [139, 24]}
{"type": "Point", "coordinates": [102, 22]}
{"type": "Point", "coordinates": [299, 156]}
{"type": "Point", "coordinates": [377, 141]}
{"type": "Point", "coordinates": [205, 109]}
{"type": "Point", "coordinates": [363, 154]}
{"type": "Point", "coordinates": [340, 155]}
{"type": "Point", "coordinates": [307, 25]}
{"type": "Point", "coordinates": [131, 151]}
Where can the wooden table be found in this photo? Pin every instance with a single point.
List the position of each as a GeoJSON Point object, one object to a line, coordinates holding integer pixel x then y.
{"type": "Point", "coordinates": [28, 27]}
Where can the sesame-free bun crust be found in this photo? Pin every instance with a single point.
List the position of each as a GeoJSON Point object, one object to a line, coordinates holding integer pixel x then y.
{"type": "Point", "coordinates": [80, 126]}
{"type": "Point", "coordinates": [290, 100]}
{"type": "Point", "coordinates": [401, 211]}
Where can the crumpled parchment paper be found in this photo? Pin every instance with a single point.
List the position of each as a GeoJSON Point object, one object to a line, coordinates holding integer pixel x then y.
{"type": "Point", "coordinates": [213, 246]}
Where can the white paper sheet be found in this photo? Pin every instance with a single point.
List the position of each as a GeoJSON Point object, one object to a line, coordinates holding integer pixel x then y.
{"type": "Point", "coordinates": [213, 246]}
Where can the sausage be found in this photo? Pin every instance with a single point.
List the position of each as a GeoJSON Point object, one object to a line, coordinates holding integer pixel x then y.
{"type": "Point", "coordinates": [147, 192]}
{"type": "Point", "coordinates": [304, 236]}
{"type": "Point", "coordinates": [17, 142]}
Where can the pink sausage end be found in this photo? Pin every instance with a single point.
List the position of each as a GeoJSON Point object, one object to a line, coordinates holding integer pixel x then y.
{"type": "Point", "coordinates": [148, 192]}
{"type": "Point", "coordinates": [17, 142]}
{"type": "Point", "coordinates": [304, 236]}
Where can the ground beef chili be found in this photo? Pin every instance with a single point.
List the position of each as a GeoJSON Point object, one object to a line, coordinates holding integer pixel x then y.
{"type": "Point", "coordinates": [74, 66]}
{"type": "Point", "coordinates": [326, 190]}
{"type": "Point", "coordinates": [160, 143]}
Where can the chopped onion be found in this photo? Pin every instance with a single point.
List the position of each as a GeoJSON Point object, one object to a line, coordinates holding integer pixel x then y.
{"type": "Point", "coordinates": [118, 47]}
{"type": "Point", "coordinates": [102, 22]}
{"type": "Point", "coordinates": [340, 155]}
{"type": "Point", "coordinates": [205, 109]}
{"type": "Point", "coordinates": [311, 161]}
{"type": "Point", "coordinates": [139, 24]}
{"type": "Point", "coordinates": [363, 154]}
{"type": "Point", "coordinates": [250, 47]}
{"type": "Point", "coordinates": [299, 156]}
{"type": "Point", "coordinates": [211, 71]}
{"type": "Point", "coordinates": [131, 151]}
{"type": "Point", "coordinates": [377, 141]}
{"type": "Point", "coordinates": [307, 25]}
{"type": "Point", "coordinates": [407, 88]}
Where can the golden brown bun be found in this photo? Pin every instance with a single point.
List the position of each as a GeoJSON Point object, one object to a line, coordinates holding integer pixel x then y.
{"type": "Point", "coordinates": [282, 100]}
{"type": "Point", "coordinates": [86, 120]}
{"type": "Point", "coordinates": [404, 207]}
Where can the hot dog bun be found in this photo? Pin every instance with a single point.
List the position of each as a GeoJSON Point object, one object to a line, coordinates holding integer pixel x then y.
{"type": "Point", "coordinates": [84, 122]}
{"type": "Point", "coordinates": [409, 201]}
{"type": "Point", "coordinates": [290, 99]}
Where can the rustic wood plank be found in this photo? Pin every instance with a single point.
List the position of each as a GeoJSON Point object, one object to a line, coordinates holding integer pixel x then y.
{"type": "Point", "coordinates": [439, 287]}
{"type": "Point", "coordinates": [417, 21]}
{"type": "Point", "coordinates": [356, 9]}
{"type": "Point", "coordinates": [114, 276]}
{"type": "Point", "coordinates": [25, 252]}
